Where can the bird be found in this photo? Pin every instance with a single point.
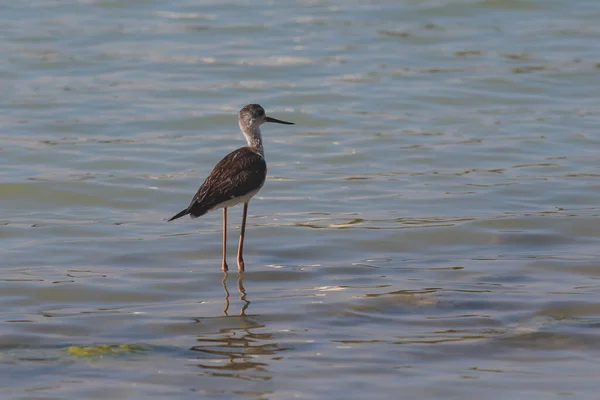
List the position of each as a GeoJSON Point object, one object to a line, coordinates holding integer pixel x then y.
{"type": "Point", "coordinates": [235, 179]}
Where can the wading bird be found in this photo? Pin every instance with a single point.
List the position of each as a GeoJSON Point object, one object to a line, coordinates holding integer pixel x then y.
{"type": "Point", "coordinates": [236, 178]}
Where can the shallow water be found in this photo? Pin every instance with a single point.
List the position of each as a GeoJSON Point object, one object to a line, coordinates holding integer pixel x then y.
{"type": "Point", "coordinates": [429, 226]}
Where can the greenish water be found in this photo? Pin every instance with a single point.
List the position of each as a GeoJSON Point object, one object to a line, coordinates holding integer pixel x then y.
{"type": "Point", "coordinates": [429, 227]}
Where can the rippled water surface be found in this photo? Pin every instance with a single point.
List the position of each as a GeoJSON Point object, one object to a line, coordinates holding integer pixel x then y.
{"type": "Point", "coordinates": [429, 226]}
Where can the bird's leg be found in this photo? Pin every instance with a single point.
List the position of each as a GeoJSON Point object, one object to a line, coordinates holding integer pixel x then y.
{"type": "Point", "coordinates": [240, 258]}
{"type": "Point", "coordinates": [224, 264]}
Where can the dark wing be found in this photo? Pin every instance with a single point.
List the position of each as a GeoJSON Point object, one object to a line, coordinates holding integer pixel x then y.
{"type": "Point", "coordinates": [240, 172]}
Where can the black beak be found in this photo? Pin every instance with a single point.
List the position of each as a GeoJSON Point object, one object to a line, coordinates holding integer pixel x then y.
{"type": "Point", "coordinates": [269, 119]}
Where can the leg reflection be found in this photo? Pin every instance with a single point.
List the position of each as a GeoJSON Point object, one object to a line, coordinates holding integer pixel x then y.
{"type": "Point", "coordinates": [224, 282]}
{"type": "Point", "coordinates": [241, 289]}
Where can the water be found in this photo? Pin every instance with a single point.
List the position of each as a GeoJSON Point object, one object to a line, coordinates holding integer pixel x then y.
{"type": "Point", "coordinates": [429, 226]}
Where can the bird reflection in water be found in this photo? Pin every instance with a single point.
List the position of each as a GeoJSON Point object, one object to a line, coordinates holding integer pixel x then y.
{"type": "Point", "coordinates": [241, 290]}
{"type": "Point", "coordinates": [243, 350]}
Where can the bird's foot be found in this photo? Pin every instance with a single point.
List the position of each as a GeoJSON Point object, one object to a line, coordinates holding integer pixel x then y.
{"type": "Point", "coordinates": [224, 266]}
{"type": "Point", "coordinates": [240, 263]}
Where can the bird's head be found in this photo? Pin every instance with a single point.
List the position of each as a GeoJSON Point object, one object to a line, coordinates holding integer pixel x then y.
{"type": "Point", "coordinates": [253, 116]}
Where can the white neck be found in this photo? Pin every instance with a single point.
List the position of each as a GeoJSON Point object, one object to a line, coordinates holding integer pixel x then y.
{"type": "Point", "coordinates": [254, 138]}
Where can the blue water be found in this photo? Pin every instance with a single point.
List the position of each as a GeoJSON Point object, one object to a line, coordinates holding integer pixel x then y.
{"type": "Point", "coordinates": [428, 229]}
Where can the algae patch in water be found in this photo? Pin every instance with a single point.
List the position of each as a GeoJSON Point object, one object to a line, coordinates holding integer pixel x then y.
{"type": "Point", "coordinates": [102, 350]}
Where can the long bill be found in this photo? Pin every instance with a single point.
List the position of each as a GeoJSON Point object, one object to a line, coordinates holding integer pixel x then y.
{"type": "Point", "coordinates": [269, 119]}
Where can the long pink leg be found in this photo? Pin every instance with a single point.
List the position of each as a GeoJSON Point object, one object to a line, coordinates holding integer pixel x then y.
{"type": "Point", "coordinates": [240, 258]}
{"type": "Point", "coordinates": [224, 263]}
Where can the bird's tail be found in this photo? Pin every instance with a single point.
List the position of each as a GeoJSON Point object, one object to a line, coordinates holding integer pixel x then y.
{"type": "Point", "coordinates": [179, 215]}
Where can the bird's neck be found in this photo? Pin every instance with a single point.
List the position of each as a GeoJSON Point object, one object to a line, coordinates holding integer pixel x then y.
{"type": "Point", "coordinates": [254, 138]}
